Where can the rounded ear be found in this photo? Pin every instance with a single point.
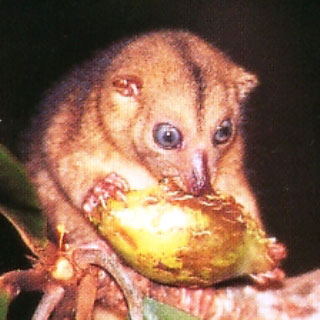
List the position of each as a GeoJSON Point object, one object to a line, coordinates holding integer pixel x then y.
{"type": "Point", "coordinates": [127, 85]}
{"type": "Point", "coordinates": [245, 82]}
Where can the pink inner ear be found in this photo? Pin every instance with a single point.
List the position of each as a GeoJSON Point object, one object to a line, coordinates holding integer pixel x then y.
{"type": "Point", "coordinates": [128, 85]}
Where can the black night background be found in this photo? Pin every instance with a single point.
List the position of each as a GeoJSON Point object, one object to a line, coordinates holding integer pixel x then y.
{"type": "Point", "coordinates": [278, 40]}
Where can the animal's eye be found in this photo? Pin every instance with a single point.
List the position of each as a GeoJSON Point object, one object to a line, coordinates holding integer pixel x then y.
{"type": "Point", "coordinates": [223, 132]}
{"type": "Point", "coordinates": [167, 136]}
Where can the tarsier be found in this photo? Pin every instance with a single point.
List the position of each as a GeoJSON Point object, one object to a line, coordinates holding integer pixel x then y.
{"type": "Point", "coordinates": [165, 104]}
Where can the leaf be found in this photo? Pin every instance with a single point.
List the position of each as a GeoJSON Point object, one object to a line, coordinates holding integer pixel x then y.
{"type": "Point", "coordinates": [19, 203]}
{"type": "Point", "coordinates": [4, 304]}
{"type": "Point", "coordinates": [154, 310]}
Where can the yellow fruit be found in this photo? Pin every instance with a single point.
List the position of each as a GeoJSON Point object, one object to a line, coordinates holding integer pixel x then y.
{"type": "Point", "coordinates": [176, 238]}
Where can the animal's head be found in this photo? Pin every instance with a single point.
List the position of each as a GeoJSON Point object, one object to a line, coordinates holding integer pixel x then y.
{"type": "Point", "coordinates": [172, 101]}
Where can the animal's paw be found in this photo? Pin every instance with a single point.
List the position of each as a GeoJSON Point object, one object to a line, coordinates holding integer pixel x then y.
{"type": "Point", "coordinates": [277, 252]}
{"type": "Point", "coordinates": [112, 186]}
{"type": "Point", "coordinates": [269, 278]}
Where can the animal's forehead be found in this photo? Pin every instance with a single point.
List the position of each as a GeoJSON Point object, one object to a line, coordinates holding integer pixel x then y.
{"type": "Point", "coordinates": [171, 54]}
{"type": "Point", "coordinates": [179, 71]}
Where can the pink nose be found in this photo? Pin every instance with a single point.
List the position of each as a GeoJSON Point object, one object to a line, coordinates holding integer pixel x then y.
{"type": "Point", "coordinates": [199, 181]}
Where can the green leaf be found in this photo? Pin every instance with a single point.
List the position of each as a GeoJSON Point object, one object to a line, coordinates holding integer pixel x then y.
{"type": "Point", "coordinates": [19, 203]}
{"type": "Point", "coordinates": [4, 304]}
{"type": "Point", "coordinates": [154, 310]}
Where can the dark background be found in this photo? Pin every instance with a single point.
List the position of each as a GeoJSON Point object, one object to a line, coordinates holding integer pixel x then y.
{"type": "Point", "coordinates": [278, 40]}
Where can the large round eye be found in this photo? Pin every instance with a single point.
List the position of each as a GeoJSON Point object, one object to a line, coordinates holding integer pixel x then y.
{"type": "Point", "coordinates": [167, 136]}
{"type": "Point", "coordinates": [223, 132]}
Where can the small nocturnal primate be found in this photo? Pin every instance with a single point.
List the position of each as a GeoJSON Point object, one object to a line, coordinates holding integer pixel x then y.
{"type": "Point", "coordinates": [162, 105]}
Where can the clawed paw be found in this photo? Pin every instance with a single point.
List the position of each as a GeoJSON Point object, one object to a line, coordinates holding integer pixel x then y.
{"type": "Point", "coordinates": [112, 186]}
{"type": "Point", "coordinates": [266, 279]}
{"type": "Point", "coordinates": [277, 252]}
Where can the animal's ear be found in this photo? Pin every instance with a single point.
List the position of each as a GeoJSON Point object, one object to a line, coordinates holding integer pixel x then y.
{"type": "Point", "coordinates": [245, 82]}
{"type": "Point", "coordinates": [127, 85]}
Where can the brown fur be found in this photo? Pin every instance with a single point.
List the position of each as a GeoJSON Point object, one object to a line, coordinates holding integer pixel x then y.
{"type": "Point", "coordinates": [90, 129]}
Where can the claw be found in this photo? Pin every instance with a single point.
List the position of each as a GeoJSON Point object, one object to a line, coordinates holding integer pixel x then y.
{"type": "Point", "coordinates": [121, 196]}
{"type": "Point", "coordinates": [102, 201]}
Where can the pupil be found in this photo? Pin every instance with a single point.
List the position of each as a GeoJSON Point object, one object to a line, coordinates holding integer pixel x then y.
{"type": "Point", "coordinates": [225, 131]}
{"type": "Point", "coordinates": [168, 136]}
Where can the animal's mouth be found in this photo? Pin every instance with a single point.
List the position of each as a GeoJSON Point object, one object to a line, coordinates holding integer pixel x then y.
{"type": "Point", "coordinates": [194, 184]}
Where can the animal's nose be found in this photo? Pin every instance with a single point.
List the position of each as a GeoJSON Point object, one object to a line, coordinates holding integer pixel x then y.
{"type": "Point", "coordinates": [199, 181]}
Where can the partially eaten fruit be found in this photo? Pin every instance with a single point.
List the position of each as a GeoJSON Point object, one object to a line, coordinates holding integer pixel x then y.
{"type": "Point", "coordinates": [179, 239]}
